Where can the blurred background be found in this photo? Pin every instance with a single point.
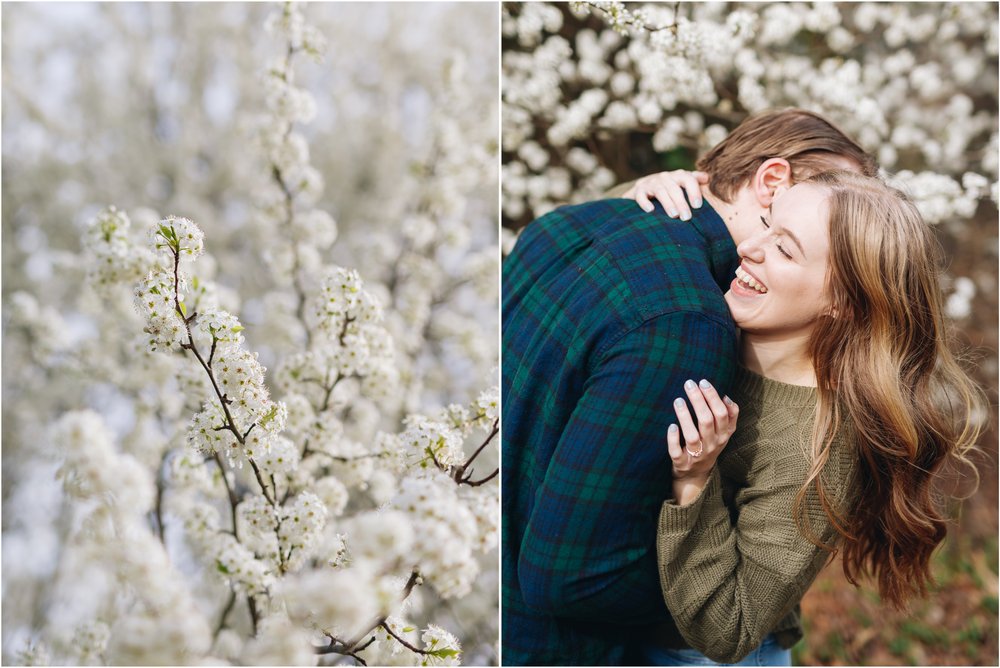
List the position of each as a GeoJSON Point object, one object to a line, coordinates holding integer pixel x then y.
{"type": "Point", "coordinates": [151, 107]}
{"type": "Point", "coordinates": [596, 94]}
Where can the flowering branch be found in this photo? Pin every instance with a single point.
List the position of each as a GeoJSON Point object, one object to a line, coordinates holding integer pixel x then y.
{"type": "Point", "coordinates": [170, 236]}
{"type": "Point", "coordinates": [351, 647]}
{"type": "Point", "coordinates": [402, 641]}
{"type": "Point", "coordinates": [621, 18]}
{"type": "Point", "coordinates": [230, 494]}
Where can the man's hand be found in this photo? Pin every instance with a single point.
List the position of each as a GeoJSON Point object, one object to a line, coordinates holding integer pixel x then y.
{"type": "Point", "coordinates": [704, 441]}
{"type": "Point", "coordinates": [669, 189]}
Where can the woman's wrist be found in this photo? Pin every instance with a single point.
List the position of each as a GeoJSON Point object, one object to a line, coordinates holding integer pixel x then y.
{"type": "Point", "coordinates": [688, 488]}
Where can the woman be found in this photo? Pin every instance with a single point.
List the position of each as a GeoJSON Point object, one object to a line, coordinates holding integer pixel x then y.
{"type": "Point", "coordinates": [851, 406]}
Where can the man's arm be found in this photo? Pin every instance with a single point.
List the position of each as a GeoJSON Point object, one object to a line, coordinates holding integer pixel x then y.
{"type": "Point", "coordinates": [589, 547]}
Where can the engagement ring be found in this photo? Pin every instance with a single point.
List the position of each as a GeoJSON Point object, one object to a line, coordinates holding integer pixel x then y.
{"type": "Point", "coordinates": [694, 454]}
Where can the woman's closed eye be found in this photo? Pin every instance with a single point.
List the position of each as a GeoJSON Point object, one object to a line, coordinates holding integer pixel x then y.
{"type": "Point", "coordinates": [777, 244]}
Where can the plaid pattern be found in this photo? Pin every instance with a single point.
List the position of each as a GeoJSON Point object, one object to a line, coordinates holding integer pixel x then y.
{"type": "Point", "coordinates": [607, 310]}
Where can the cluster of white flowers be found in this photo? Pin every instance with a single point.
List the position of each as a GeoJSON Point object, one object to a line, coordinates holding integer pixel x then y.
{"type": "Point", "coordinates": [93, 469]}
{"type": "Point", "coordinates": [431, 442]}
{"type": "Point", "coordinates": [179, 237]}
{"type": "Point", "coordinates": [151, 615]}
{"type": "Point", "coordinates": [113, 258]}
{"type": "Point", "coordinates": [664, 71]}
{"type": "Point", "coordinates": [42, 324]}
{"type": "Point", "coordinates": [940, 197]}
{"type": "Point", "coordinates": [442, 648]}
{"type": "Point", "coordinates": [91, 640]}
{"type": "Point", "coordinates": [157, 299]}
{"type": "Point", "coordinates": [444, 531]}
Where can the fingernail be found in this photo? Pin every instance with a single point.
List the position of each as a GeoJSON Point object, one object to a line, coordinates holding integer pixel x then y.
{"type": "Point", "coordinates": [705, 385]}
{"type": "Point", "coordinates": [672, 429]}
{"type": "Point", "coordinates": [678, 402]}
{"type": "Point", "coordinates": [689, 385]}
{"type": "Point", "coordinates": [696, 203]}
{"type": "Point", "coordinates": [728, 400]}
{"type": "Point", "coordinates": [685, 216]}
{"type": "Point", "coordinates": [647, 209]}
{"type": "Point", "coordinates": [672, 213]}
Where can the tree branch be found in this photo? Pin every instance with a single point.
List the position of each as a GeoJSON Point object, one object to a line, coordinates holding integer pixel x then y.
{"type": "Point", "coordinates": [407, 589]}
{"type": "Point", "coordinates": [225, 613]}
{"type": "Point", "coordinates": [233, 499]}
{"type": "Point", "coordinates": [459, 474]}
{"type": "Point", "coordinates": [402, 641]}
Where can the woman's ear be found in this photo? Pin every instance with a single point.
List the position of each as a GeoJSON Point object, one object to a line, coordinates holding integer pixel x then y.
{"type": "Point", "coordinates": [773, 177]}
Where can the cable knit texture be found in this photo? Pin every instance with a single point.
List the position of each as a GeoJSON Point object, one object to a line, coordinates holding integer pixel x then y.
{"type": "Point", "coordinates": [733, 563]}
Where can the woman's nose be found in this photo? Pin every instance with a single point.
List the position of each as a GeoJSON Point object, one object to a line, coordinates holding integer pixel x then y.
{"type": "Point", "coordinates": [752, 248]}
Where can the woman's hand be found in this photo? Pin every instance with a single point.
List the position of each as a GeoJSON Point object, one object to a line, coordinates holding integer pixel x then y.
{"type": "Point", "coordinates": [669, 189]}
{"type": "Point", "coordinates": [704, 440]}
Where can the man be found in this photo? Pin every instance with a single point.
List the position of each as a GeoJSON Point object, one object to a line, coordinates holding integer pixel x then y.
{"type": "Point", "coordinates": [607, 311]}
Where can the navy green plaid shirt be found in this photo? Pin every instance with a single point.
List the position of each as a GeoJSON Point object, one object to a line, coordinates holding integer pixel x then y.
{"type": "Point", "coordinates": [607, 310]}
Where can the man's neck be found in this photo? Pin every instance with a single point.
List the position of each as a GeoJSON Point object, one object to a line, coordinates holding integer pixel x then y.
{"type": "Point", "coordinates": [734, 214]}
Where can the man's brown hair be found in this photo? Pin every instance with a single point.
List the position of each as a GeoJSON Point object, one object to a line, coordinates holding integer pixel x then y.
{"type": "Point", "coordinates": [809, 142]}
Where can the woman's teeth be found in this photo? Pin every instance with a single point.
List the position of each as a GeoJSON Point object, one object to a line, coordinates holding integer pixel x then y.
{"type": "Point", "coordinates": [749, 281]}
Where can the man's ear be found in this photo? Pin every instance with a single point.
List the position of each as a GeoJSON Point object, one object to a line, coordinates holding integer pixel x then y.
{"type": "Point", "coordinates": [773, 177]}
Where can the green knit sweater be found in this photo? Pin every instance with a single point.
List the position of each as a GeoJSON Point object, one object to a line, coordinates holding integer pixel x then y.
{"type": "Point", "coordinates": [733, 563]}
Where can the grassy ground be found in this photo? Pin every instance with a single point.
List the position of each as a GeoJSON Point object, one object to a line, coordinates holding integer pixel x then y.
{"type": "Point", "coordinates": [955, 626]}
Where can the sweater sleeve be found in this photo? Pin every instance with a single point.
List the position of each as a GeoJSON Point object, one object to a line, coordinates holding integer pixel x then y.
{"type": "Point", "coordinates": [728, 584]}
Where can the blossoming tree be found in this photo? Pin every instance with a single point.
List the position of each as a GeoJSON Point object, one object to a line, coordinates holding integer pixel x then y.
{"type": "Point", "coordinates": [595, 91]}
{"type": "Point", "coordinates": [340, 508]}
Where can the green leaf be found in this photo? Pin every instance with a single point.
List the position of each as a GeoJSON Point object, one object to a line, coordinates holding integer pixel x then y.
{"type": "Point", "coordinates": [168, 233]}
{"type": "Point", "coordinates": [222, 567]}
{"type": "Point", "coordinates": [445, 653]}
{"type": "Point", "coordinates": [237, 329]}
{"type": "Point", "coordinates": [409, 629]}
{"type": "Point", "coordinates": [269, 416]}
{"type": "Point", "coordinates": [184, 309]}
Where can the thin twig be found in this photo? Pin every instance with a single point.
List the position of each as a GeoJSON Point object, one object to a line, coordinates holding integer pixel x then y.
{"type": "Point", "coordinates": [407, 589]}
{"type": "Point", "coordinates": [233, 499]}
{"type": "Point", "coordinates": [252, 604]}
{"type": "Point", "coordinates": [260, 481]}
{"type": "Point", "coordinates": [225, 613]}
{"type": "Point", "coordinates": [459, 473]}
{"type": "Point", "coordinates": [477, 483]}
{"type": "Point", "coordinates": [160, 488]}
{"type": "Point", "coordinates": [402, 641]}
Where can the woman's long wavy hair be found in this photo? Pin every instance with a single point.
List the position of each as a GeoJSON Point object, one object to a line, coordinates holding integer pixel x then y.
{"type": "Point", "coordinates": [884, 367]}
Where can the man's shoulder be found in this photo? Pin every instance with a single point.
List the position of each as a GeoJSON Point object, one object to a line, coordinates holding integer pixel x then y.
{"type": "Point", "coordinates": [644, 263]}
{"type": "Point", "coordinates": [605, 217]}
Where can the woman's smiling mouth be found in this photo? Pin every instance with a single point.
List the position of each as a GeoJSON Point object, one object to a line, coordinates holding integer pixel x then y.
{"type": "Point", "coordinates": [748, 281]}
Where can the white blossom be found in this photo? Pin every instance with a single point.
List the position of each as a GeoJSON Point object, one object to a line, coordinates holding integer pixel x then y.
{"type": "Point", "coordinates": [444, 647]}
